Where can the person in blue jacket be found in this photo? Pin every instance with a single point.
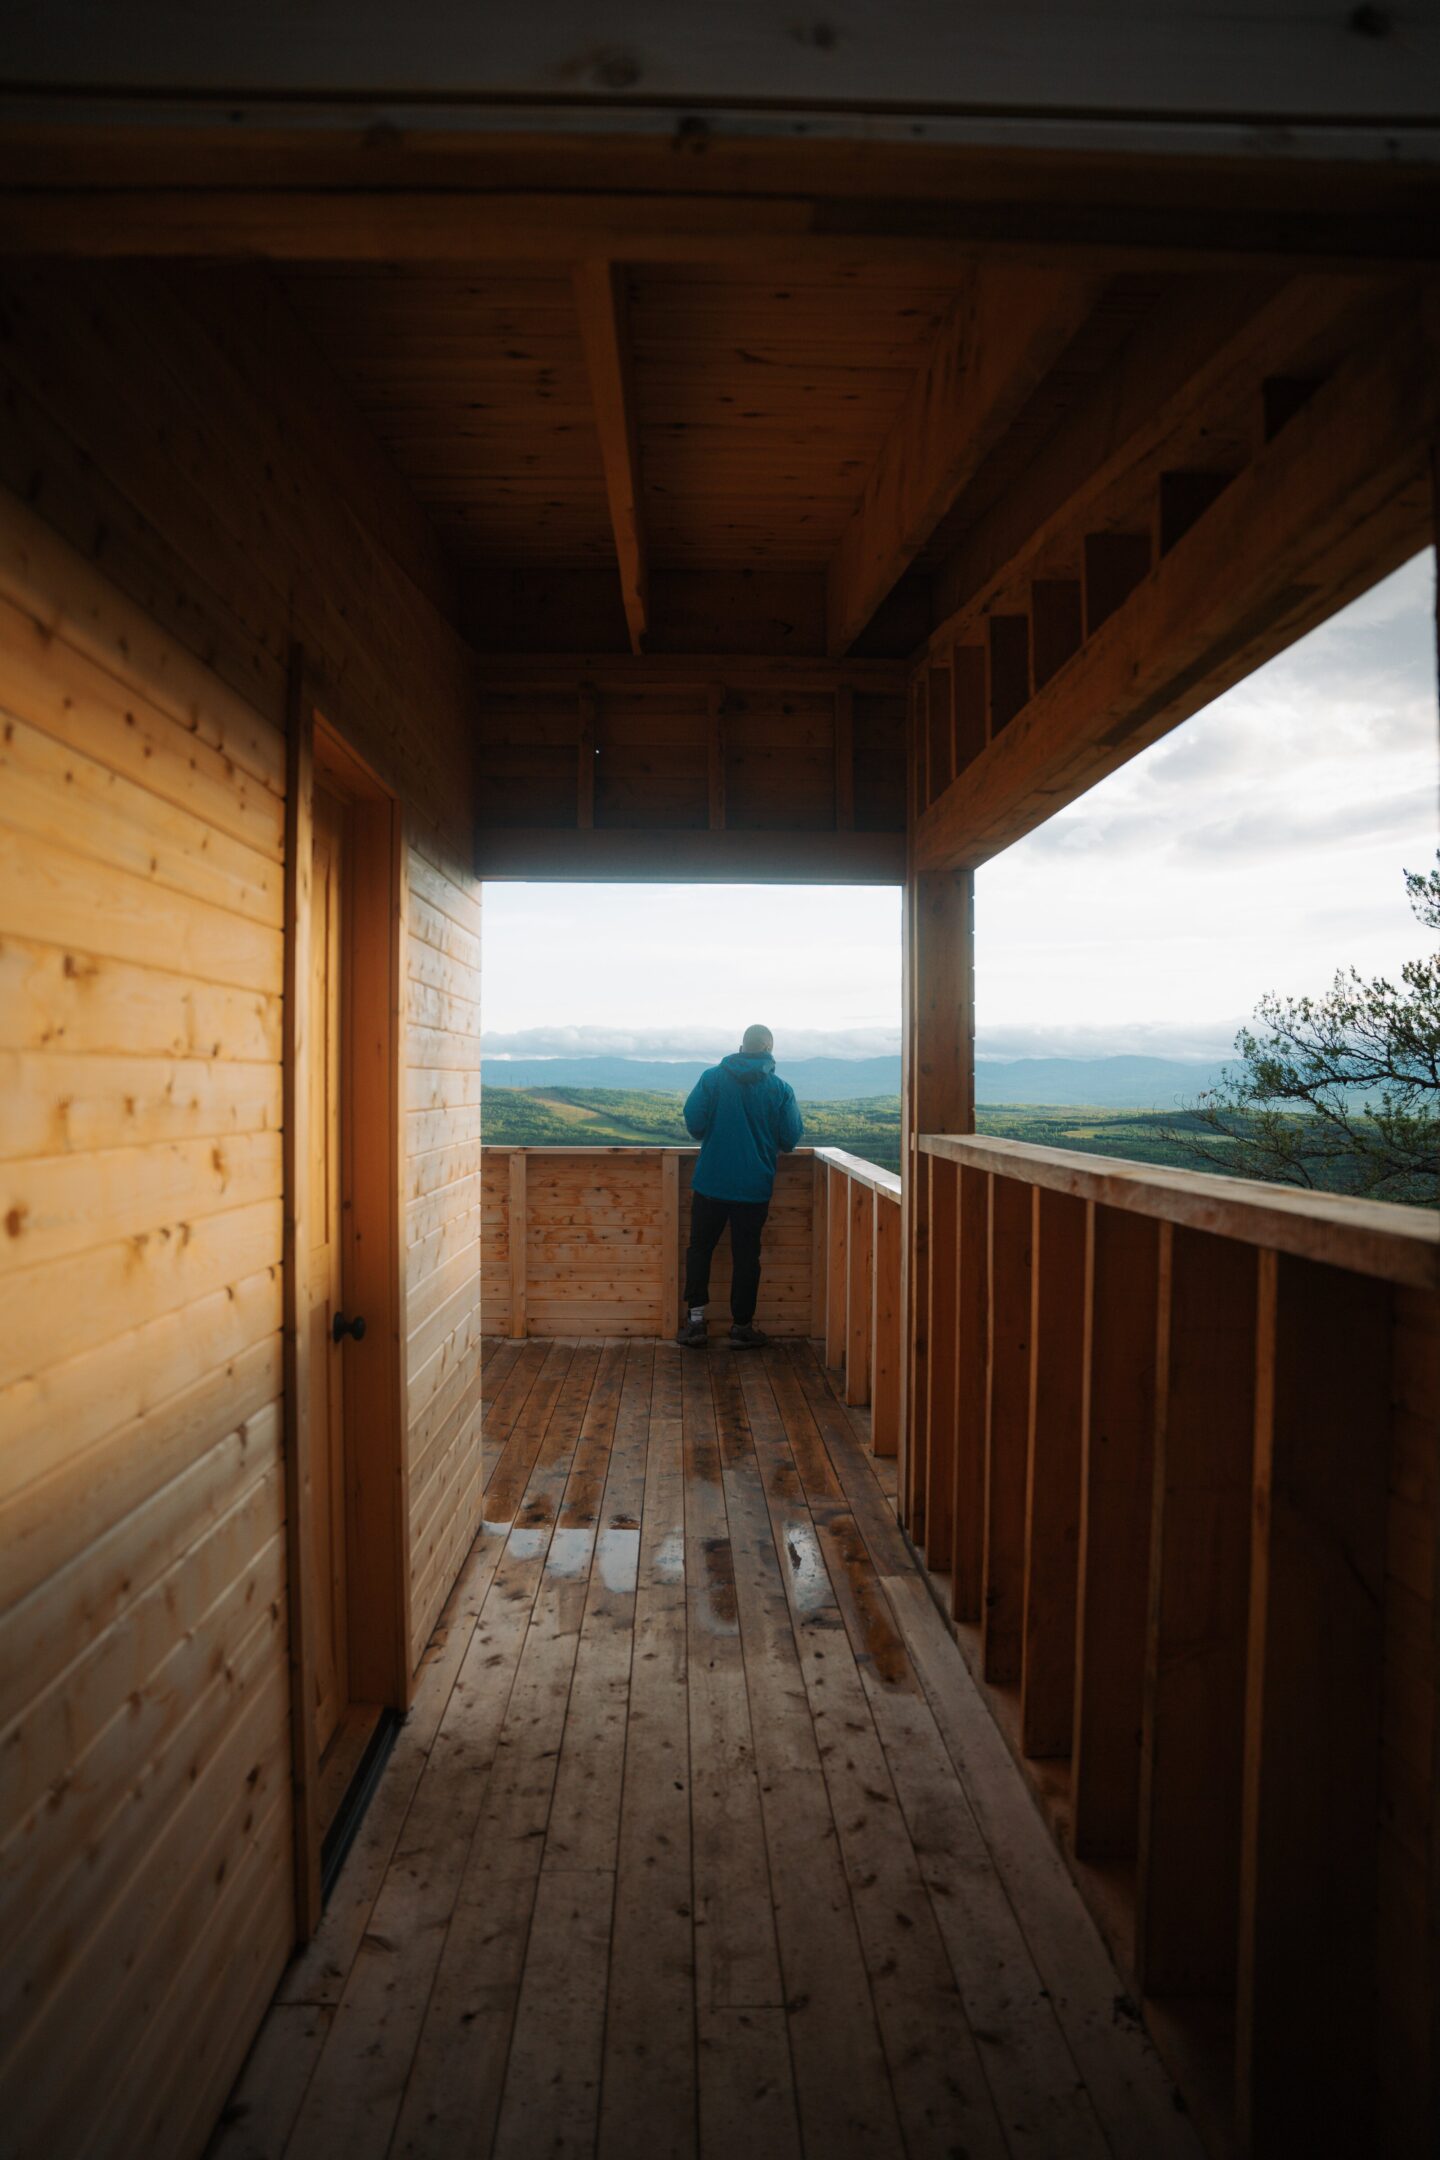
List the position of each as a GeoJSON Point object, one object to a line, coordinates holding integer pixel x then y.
{"type": "Point", "coordinates": [743, 1114]}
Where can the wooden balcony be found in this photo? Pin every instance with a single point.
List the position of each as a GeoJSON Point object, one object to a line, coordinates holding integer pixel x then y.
{"type": "Point", "coordinates": [1173, 1489]}
{"type": "Point", "coordinates": [698, 1838]}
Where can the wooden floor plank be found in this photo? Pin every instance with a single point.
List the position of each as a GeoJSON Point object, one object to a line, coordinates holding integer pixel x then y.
{"type": "Point", "coordinates": [699, 1839]}
{"type": "Point", "coordinates": [940, 2089]}
{"type": "Point", "coordinates": [649, 2067]}
{"type": "Point", "coordinates": [1132, 2098]}
{"type": "Point", "coordinates": [846, 2105]}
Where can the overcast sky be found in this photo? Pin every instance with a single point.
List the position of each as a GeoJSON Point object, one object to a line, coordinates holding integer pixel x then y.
{"type": "Point", "coordinates": [1258, 847]}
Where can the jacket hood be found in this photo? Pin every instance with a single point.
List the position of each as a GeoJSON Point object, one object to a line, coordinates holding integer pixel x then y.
{"type": "Point", "coordinates": [746, 1069]}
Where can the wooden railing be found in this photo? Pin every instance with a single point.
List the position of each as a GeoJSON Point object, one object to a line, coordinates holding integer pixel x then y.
{"type": "Point", "coordinates": [591, 1241]}
{"type": "Point", "coordinates": [856, 1285]}
{"type": "Point", "coordinates": [1173, 1462]}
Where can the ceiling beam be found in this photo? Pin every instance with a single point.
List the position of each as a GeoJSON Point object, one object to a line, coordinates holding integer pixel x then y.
{"type": "Point", "coordinates": [600, 298]}
{"type": "Point", "coordinates": [1003, 336]}
{"type": "Point", "coordinates": [1337, 499]}
{"type": "Point", "coordinates": [1144, 229]}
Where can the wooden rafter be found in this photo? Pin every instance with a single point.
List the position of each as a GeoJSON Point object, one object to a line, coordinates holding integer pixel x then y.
{"type": "Point", "coordinates": [1005, 333]}
{"type": "Point", "coordinates": [1336, 500]}
{"type": "Point", "coordinates": [600, 298]}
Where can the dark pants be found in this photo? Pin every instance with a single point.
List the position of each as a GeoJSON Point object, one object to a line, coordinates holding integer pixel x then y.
{"type": "Point", "coordinates": [707, 1219]}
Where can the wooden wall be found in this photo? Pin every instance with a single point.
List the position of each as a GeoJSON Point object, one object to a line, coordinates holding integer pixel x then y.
{"type": "Point", "coordinates": [195, 503]}
{"type": "Point", "coordinates": [145, 1811]}
{"type": "Point", "coordinates": [605, 1237]}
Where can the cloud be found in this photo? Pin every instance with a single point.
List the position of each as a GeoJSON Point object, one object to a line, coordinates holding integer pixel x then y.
{"type": "Point", "coordinates": [1200, 1039]}
{"type": "Point", "coordinates": [684, 1042]}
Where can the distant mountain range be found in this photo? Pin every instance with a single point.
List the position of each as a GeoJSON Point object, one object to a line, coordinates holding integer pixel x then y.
{"type": "Point", "coordinates": [1116, 1083]}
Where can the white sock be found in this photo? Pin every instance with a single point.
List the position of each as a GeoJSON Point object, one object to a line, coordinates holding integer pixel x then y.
{"type": "Point", "coordinates": [697, 1312]}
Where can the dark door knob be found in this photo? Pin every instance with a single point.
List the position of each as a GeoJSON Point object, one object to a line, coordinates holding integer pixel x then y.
{"type": "Point", "coordinates": [340, 1327]}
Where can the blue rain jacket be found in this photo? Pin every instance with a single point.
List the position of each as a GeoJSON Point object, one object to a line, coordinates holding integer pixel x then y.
{"type": "Point", "coordinates": [744, 1114]}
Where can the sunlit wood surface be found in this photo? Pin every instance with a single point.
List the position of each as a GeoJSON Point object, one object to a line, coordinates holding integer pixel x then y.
{"type": "Point", "coordinates": [698, 1839]}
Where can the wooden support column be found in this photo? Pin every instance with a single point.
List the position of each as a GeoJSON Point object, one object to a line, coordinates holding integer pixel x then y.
{"type": "Point", "coordinates": [1007, 1427]}
{"type": "Point", "coordinates": [1052, 1484]}
{"type": "Point", "coordinates": [972, 1299]}
{"type": "Point", "coordinates": [1117, 1451]}
{"type": "Point", "coordinates": [1187, 1894]}
{"type": "Point", "coordinates": [519, 1244]}
{"type": "Point", "coordinates": [885, 1330]}
{"type": "Point", "coordinates": [838, 1218]}
{"type": "Point", "coordinates": [941, 1333]}
{"type": "Point", "coordinates": [859, 1279]}
{"type": "Point", "coordinates": [940, 1098]}
{"type": "Point", "coordinates": [1307, 2027]}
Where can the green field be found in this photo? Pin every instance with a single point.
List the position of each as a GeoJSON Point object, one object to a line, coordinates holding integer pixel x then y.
{"type": "Point", "coordinates": [611, 1117]}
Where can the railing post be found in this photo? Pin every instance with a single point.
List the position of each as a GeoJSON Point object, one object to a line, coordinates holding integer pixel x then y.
{"type": "Point", "coordinates": [1007, 1426]}
{"type": "Point", "coordinates": [1052, 1480]}
{"type": "Point", "coordinates": [819, 1245]}
{"type": "Point", "coordinates": [1307, 2026]}
{"type": "Point", "coordinates": [1117, 1452]}
{"type": "Point", "coordinates": [972, 1351]}
{"type": "Point", "coordinates": [1187, 1891]}
{"type": "Point", "coordinates": [885, 1329]}
{"type": "Point", "coordinates": [669, 1241]}
{"type": "Point", "coordinates": [941, 1336]}
{"type": "Point", "coordinates": [837, 1215]}
{"type": "Point", "coordinates": [859, 1274]}
{"type": "Point", "coordinates": [519, 1244]}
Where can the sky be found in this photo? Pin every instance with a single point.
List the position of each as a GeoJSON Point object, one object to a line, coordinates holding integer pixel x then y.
{"type": "Point", "coordinates": [1258, 847]}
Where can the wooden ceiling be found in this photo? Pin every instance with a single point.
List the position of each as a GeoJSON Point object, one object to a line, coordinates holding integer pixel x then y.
{"type": "Point", "coordinates": [761, 402]}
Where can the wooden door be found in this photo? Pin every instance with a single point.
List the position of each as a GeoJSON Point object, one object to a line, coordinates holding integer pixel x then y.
{"type": "Point", "coordinates": [325, 1285]}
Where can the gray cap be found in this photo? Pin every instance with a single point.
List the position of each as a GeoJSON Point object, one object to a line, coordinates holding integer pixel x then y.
{"type": "Point", "coordinates": [757, 1041]}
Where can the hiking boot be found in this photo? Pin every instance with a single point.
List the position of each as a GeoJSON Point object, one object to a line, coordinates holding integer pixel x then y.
{"type": "Point", "coordinates": [746, 1336]}
{"type": "Point", "coordinates": [693, 1335]}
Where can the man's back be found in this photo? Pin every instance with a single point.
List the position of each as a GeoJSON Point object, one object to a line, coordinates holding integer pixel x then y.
{"type": "Point", "coordinates": [744, 1114]}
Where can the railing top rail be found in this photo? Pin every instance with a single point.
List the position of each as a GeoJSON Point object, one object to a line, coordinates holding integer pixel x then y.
{"type": "Point", "coordinates": [1370, 1237]}
{"type": "Point", "coordinates": [864, 1173]}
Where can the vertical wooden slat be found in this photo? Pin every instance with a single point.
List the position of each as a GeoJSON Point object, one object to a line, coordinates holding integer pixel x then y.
{"type": "Point", "coordinates": [716, 742]}
{"type": "Point", "coordinates": [885, 1329]}
{"type": "Point", "coordinates": [296, 1052]}
{"type": "Point", "coordinates": [972, 1349]}
{"type": "Point", "coordinates": [1192, 1744]}
{"type": "Point", "coordinates": [1052, 1485]}
{"type": "Point", "coordinates": [1008, 644]}
{"type": "Point", "coordinates": [942, 734]}
{"type": "Point", "coordinates": [1007, 1427]}
{"type": "Point", "coordinates": [1117, 1453]}
{"type": "Point", "coordinates": [859, 1277]}
{"type": "Point", "coordinates": [519, 1244]}
{"type": "Point", "coordinates": [971, 730]}
{"type": "Point", "coordinates": [819, 1245]}
{"type": "Point", "coordinates": [941, 1332]}
{"type": "Point", "coordinates": [1056, 625]}
{"type": "Point", "coordinates": [837, 1215]}
{"type": "Point", "coordinates": [669, 1241]}
{"type": "Point", "coordinates": [1306, 2012]}
{"type": "Point", "coordinates": [844, 759]}
{"type": "Point", "coordinates": [585, 759]}
{"type": "Point", "coordinates": [1114, 564]}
